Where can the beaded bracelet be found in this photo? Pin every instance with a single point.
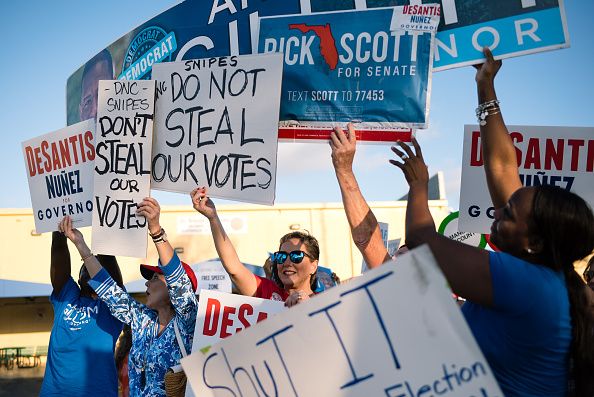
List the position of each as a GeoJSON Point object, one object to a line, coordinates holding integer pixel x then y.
{"type": "Point", "coordinates": [486, 109]}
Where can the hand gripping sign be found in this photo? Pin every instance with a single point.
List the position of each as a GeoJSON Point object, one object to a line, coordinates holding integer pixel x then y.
{"type": "Point", "coordinates": [364, 338]}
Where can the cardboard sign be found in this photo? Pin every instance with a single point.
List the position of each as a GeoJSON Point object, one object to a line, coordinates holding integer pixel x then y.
{"type": "Point", "coordinates": [222, 314]}
{"type": "Point", "coordinates": [363, 338]}
{"type": "Point", "coordinates": [560, 156]}
{"type": "Point", "coordinates": [216, 126]}
{"type": "Point", "coordinates": [122, 166]}
{"type": "Point", "coordinates": [348, 66]}
{"type": "Point", "coordinates": [60, 174]}
{"type": "Point", "coordinates": [212, 276]}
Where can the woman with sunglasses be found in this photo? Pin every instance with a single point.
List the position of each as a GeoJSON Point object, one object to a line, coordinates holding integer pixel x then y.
{"type": "Point", "coordinates": [294, 265]}
{"type": "Point", "coordinates": [526, 305]}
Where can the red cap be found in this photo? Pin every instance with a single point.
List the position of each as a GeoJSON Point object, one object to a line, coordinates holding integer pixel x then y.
{"type": "Point", "coordinates": [147, 272]}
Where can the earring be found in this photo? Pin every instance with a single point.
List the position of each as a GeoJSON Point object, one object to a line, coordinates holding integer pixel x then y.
{"type": "Point", "coordinates": [530, 251]}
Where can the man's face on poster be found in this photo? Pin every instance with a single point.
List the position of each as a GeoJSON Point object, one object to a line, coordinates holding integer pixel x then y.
{"type": "Point", "coordinates": [88, 100]}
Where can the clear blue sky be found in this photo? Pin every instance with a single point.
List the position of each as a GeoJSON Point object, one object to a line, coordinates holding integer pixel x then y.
{"type": "Point", "coordinates": [45, 41]}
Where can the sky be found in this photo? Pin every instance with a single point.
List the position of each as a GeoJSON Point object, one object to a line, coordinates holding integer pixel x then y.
{"type": "Point", "coordinates": [44, 42]}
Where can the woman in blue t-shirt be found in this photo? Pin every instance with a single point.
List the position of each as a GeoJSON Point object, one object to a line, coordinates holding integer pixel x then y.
{"type": "Point", "coordinates": [526, 305]}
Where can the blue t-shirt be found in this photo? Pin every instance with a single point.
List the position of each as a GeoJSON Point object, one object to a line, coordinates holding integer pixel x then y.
{"type": "Point", "coordinates": [80, 358]}
{"type": "Point", "coordinates": [526, 335]}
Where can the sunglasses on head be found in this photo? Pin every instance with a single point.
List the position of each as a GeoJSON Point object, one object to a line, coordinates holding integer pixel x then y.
{"type": "Point", "coordinates": [280, 257]}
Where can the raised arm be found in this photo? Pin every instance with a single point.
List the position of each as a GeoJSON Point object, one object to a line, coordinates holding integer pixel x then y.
{"type": "Point", "coordinates": [90, 261]}
{"type": "Point", "coordinates": [150, 209]}
{"type": "Point", "coordinates": [500, 162]}
{"type": "Point", "coordinates": [60, 261]}
{"type": "Point", "coordinates": [364, 227]}
{"type": "Point", "coordinates": [121, 305]}
{"type": "Point", "coordinates": [240, 275]}
{"type": "Point", "coordinates": [180, 288]}
{"type": "Point", "coordinates": [466, 268]}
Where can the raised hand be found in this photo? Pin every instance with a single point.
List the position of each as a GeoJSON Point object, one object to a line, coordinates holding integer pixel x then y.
{"type": "Point", "coordinates": [486, 72]}
{"type": "Point", "coordinates": [202, 203]}
{"type": "Point", "coordinates": [343, 146]}
{"type": "Point", "coordinates": [413, 166]}
{"type": "Point", "coordinates": [150, 209]}
{"type": "Point", "coordinates": [74, 235]}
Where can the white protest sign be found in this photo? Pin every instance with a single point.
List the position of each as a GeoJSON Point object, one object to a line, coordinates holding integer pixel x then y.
{"type": "Point", "coordinates": [125, 112]}
{"type": "Point", "coordinates": [221, 315]}
{"type": "Point", "coordinates": [216, 125]}
{"type": "Point", "coordinates": [419, 17]}
{"type": "Point", "coordinates": [60, 173]}
{"type": "Point", "coordinates": [560, 156]}
{"type": "Point", "coordinates": [395, 331]}
{"type": "Point", "coordinates": [212, 276]}
{"type": "Point", "coordinates": [384, 231]}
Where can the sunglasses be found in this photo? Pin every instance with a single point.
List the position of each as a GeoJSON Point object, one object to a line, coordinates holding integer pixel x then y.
{"type": "Point", "coordinates": [280, 257]}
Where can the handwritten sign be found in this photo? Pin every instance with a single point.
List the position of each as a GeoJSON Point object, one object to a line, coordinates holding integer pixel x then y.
{"type": "Point", "coordinates": [122, 166]}
{"type": "Point", "coordinates": [60, 174]}
{"type": "Point", "coordinates": [364, 338]}
{"type": "Point", "coordinates": [348, 66]}
{"type": "Point", "coordinates": [216, 126]}
{"type": "Point", "coordinates": [559, 156]}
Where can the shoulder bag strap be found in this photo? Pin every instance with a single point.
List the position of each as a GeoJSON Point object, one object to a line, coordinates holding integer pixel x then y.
{"type": "Point", "coordinates": [180, 342]}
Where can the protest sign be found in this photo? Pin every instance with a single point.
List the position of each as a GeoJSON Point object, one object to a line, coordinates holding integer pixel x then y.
{"type": "Point", "coordinates": [222, 314]}
{"type": "Point", "coordinates": [122, 166]}
{"type": "Point", "coordinates": [509, 27]}
{"type": "Point", "coordinates": [216, 126]}
{"type": "Point", "coordinates": [449, 228]}
{"type": "Point", "coordinates": [559, 156]}
{"type": "Point", "coordinates": [191, 29]}
{"type": "Point", "coordinates": [212, 275]}
{"type": "Point", "coordinates": [364, 338]}
{"type": "Point", "coordinates": [348, 66]}
{"type": "Point", "coordinates": [60, 174]}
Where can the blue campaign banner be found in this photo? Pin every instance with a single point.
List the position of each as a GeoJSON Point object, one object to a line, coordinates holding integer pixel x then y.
{"type": "Point", "coordinates": [348, 66]}
{"type": "Point", "coordinates": [192, 29]}
{"type": "Point", "coordinates": [509, 27]}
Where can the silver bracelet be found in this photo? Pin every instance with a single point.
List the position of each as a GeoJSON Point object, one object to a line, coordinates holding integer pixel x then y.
{"type": "Point", "coordinates": [486, 109]}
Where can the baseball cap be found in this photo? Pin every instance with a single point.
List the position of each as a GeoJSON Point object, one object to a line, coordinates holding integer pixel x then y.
{"type": "Point", "coordinates": [147, 272]}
